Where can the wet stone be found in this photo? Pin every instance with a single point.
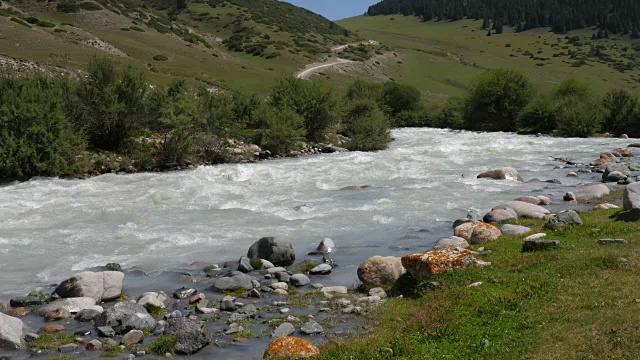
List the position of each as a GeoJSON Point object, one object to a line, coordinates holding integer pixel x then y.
{"type": "Point", "coordinates": [311, 328]}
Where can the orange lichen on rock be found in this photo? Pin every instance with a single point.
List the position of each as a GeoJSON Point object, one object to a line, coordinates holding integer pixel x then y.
{"type": "Point", "coordinates": [622, 152]}
{"type": "Point", "coordinates": [290, 347]}
{"type": "Point", "coordinates": [603, 160]}
{"type": "Point", "coordinates": [424, 266]}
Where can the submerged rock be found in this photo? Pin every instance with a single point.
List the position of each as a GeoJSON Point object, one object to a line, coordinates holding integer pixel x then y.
{"type": "Point", "coordinates": [379, 270]}
{"type": "Point", "coordinates": [505, 173]}
{"type": "Point", "coordinates": [279, 253]}
{"type": "Point", "coordinates": [424, 266]}
{"type": "Point", "coordinates": [299, 280]}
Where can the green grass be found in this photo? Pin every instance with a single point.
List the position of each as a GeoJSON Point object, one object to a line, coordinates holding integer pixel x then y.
{"type": "Point", "coordinates": [441, 58]}
{"type": "Point", "coordinates": [572, 303]}
{"type": "Point", "coordinates": [163, 344]}
{"type": "Point", "coordinates": [51, 341]}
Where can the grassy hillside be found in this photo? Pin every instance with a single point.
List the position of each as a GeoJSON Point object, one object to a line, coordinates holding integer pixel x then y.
{"type": "Point", "coordinates": [239, 44]}
{"type": "Point", "coordinates": [441, 58]}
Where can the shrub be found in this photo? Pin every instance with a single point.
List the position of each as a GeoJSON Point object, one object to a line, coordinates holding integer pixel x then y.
{"type": "Point", "coordinates": [495, 99]}
{"type": "Point", "coordinates": [571, 88]}
{"type": "Point", "coordinates": [309, 100]}
{"type": "Point", "coordinates": [422, 118]}
{"type": "Point", "coordinates": [160, 58]}
{"type": "Point", "coordinates": [397, 98]}
{"type": "Point", "coordinates": [540, 116]}
{"type": "Point", "coordinates": [45, 24]}
{"type": "Point", "coordinates": [362, 90]}
{"type": "Point", "coordinates": [163, 344]}
{"type": "Point", "coordinates": [20, 22]}
{"type": "Point", "coordinates": [216, 116]}
{"type": "Point", "coordinates": [621, 113]}
{"type": "Point", "coordinates": [578, 117]}
{"type": "Point", "coordinates": [367, 126]}
{"type": "Point", "coordinates": [110, 103]}
{"type": "Point", "coordinates": [135, 28]}
{"type": "Point", "coordinates": [68, 6]}
{"type": "Point", "coordinates": [32, 20]}
{"type": "Point", "coordinates": [451, 114]}
{"type": "Point", "coordinates": [279, 129]}
{"type": "Point", "coordinates": [89, 6]}
{"type": "Point", "coordinates": [36, 137]}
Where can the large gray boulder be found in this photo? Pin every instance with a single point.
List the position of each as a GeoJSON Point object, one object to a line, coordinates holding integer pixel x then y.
{"type": "Point", "coordinates": [505, 173]}
{"type": "Point", "coordinates": [126, 316]}
{"type": "Point", "coordinates": [622, 170]}
{"type": "Point", "coordinates": [614, 176]}
{"type": "Point", "coordinates": [563, 219]}
{"type": "Point", "coordinates": [453, 241]}
{"type": "Point", "coordinates": [500, 215]}
{"type": "Point", "coordinates": [631, 197]}
{"type": "Point", "coordinates": [588, 193]}
{"type": "Point", "coordinates": [72, 305]}
{"type": "Point", "coordinates": [326, 246]}
{"type": "Point", "coordinates": [11, 331]}
{"type": "Point", "coordinates": [279, 253]}
{"type": "Point", "coordinates": [379, 270]}
{"type": "Point", "coordinates": [514, 230]}
{"type": "Point", "coordinates": [233, 281]}
{"type": "Point", "coordinates": [524, 210]}
{"type": "Point", "coordinates": [102, 286]}
{"type": "Point", "coordinates": [192, 335]}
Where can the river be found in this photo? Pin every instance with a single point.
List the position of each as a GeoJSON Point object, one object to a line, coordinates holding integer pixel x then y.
{"type": "Point", "coordinates": [50, 228]}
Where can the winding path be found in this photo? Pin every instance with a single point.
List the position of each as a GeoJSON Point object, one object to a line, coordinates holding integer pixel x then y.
{"type": "Point", "coordinates": [305, 74]}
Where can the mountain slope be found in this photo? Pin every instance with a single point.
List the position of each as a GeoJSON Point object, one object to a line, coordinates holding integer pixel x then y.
{"type": "Point", "coordinates": [442, 57]}
{"type": "Point", "coordinates": [243, 44]}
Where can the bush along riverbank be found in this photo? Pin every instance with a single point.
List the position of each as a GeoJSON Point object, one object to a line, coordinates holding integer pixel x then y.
{"type": "Point", "coordinates": [519, 283]}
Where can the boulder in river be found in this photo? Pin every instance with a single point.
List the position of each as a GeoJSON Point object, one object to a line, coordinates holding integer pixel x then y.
{"type": "Point", "coordinates": [233, 281]}
{"type": "Point", "coordinates": [326, 246]}
{"type": "Point", "coordinates": [126, 316]}
{"type": "Point", "coordinates": [291, 347]}
{"type": "Point", "coordinates": [11, 331]}
{"type": "Point", "coordinates": [72, 305]}
{"type": "Point", "coordinates": [102, 286]}
{"type": "Point", "coordinates": [299, 280]}
{"type": "Point", "coordinates": [152, 299]}
{"type": "Point", "coordinates": [535, 200]}
{"type": "Point", "coordinates": [477, 232]}
{"type": "Point", "coordinates": [379, 270]}
{"type": "Point", "coordinates": [500, 215]}
{"type": "Point", "coordinates": [525, 210]}
{"type": "Point", "coordinates": [279, 253]}
{"type": "Point", "coordinates": [424, 266]}
{"type": "Point", "coordinates": [588, 193]}
{"type": "Point", "coordinates": [505, 173]}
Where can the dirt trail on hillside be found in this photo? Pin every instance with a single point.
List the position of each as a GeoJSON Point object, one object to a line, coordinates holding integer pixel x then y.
{"type": "Point", "coordinates": [305, 74]}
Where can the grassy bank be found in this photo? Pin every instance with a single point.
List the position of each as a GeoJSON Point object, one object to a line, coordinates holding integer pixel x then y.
{"type": "Point", "coordinates": [578, 302]}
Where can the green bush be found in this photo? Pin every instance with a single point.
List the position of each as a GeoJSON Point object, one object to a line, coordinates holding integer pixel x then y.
{"type": "Point", "coordinates": [398, 98]}
{"type": "Point", "coordinates": [68, 6]}
{"type": "Point", "coordinates": [279, 129]}
{"type": "Point", "coordinates": [367, 126]}
{"type": "Point", "coordinates": [621, 113]}
{"type": "Point", "coordinates": [362, 90]}
{"type": "Point", "coordinates": [451, 114]}
{"type": "Point", "coordinates": [422, 118]}
{"type": "Point", "coordinates": [571, 88]}
{"type": "Point", "coordinates": [215, 112]}
{"type": "Point", "coordinates": [540, 116]}
{"type": "Point", "coordinates": [36, 137]}
{"type": "Point", "coordinates": [308, 99]}
{"type": "Point", "coordinates": [495, 99]}
{"type": "Point", "coordinates": [135, 28]}
{"type": "Point", "coordinates": [160, 58]}
{"type": "Point", "coordinates": [579, 117]}
{"type": "Point", "coordinates": [45, 24]}
{"type": "Point", "coordinates": [89, 6]}
{"type": "Point", "coordinates": [19, 21]}
{"type": "Point", "coordinates": [111, 103]}
{"type": "Point", "coordinates": [32, 20]}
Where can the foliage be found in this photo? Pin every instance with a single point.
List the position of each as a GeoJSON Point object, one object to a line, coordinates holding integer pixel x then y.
{"type": "Point", "coordinates": [363, 90]}
{"type": "Point", "coordinates": [616, 16]}
{"type": "Point", "coordinates": [110, 103]}
{"type": "Point", "coordinates": [51, 341]}
{"type": "Point", "coordinates": [367, 126]}
{"type": "Point", "coordinates": [540, 116]}
{"type": "Point", "coordinates": [160, 58]}
{"type": "Point", "coordinates": [621, 113]}
{"type": "Point", "coordinates": [571, 88]}
{"type": "Point", "coordinates": [578, 117]}
{"type": "Point", "coordinates": [216, 114]}
{"type": "Point", "coordinates": [279, 129]}
{"type": "Point", "coordinates": [495, 99]}
{"type": "Point", "coordinates": [309, 100]}
{"type": "Point", "coordinates": [397, 98]}
{"type": "Point", "coordinates": [36, 137]}
{"type": "Point", "coordinates": [163, 344]}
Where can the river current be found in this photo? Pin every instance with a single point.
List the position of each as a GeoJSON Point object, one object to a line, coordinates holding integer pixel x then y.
{"type": "Point", "coordinates": [51, 228]}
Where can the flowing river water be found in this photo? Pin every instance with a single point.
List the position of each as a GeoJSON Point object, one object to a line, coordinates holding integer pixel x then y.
{"type": "Point", "coordinates": [51, 228]}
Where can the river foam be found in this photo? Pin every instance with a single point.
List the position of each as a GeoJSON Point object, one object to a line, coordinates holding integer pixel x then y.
{"type": "Point", "coordinates": [50, 228]}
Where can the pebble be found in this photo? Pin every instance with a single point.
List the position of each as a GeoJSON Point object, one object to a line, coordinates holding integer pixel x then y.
{"type": "Point", "coordinates": [475, 284]}
{"type": "Point", "coordinates": [322, 269]}
{"type": "Point", "coordinates": [284, 310]}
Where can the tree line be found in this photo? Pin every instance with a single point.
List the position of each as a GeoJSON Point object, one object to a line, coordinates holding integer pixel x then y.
{"type": "Point", "coordinates": [615, 16]}
{"type": "Point", "coordinates": [47, 122]}
{"type": "Point", "coordinates": [505, 100]}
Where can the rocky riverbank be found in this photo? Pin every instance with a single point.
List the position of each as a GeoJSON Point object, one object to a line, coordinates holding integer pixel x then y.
{"type": "Point", "coordinates": [239, 307]}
